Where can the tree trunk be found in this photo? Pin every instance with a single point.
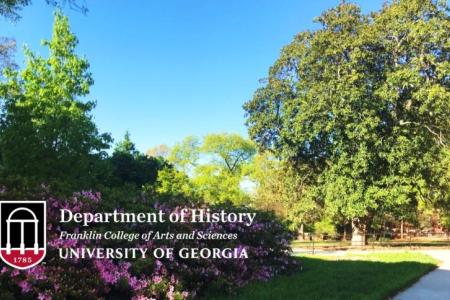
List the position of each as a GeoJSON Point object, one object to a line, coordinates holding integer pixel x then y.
{"type": "Point", "coordinates": [301, 233]}
{"type": "Point", "coordinates": [401, 229]}
{"type": "Point", "coordinates": [358, 233]}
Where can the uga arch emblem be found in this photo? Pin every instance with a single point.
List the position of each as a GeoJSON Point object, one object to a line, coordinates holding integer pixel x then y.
{"type": "Point", "coordinates": [23, 227]}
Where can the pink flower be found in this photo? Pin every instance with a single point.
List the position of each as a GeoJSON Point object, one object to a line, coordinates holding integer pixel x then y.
{"type": "Point", "coordinates": [170, 295]}
{"type": "Point", "coordinates": [25, 286]}
{"type": "Point", "coordinates": [43, 296]}
{"type": "Point", "coordinates": [37, 272]}
{"type": "Point", "coordinates": [156, 279]}
{"type": "Point", "coordinates": [137, 284]}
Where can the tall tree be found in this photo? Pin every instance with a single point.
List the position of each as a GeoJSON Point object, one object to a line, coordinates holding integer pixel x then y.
{"type": "Point", "coordinates": [126, 145]}
{"type": "Point", "coordinates": [47, 132]}
{"type": "Point", "coordinates": [231, 151]}
{"type": "Point", "coordinates": [10, 9]}
{"type": "Point", "coordinates": [185, 155]}
{"type": "Point", "coordinates": [217, 165]}
{"type": "Point", "coordinates": [363, 102]}
{"type": "Point", "coordinates": [280, 188]}
{"type": "Point", "coordinates": [129, 166]}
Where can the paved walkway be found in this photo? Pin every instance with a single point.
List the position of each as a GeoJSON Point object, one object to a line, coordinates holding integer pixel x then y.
{"type": "Point", "coordinates": [433, 286]}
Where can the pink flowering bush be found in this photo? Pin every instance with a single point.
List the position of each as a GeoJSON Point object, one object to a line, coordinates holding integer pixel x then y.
{"type": "Point", "coordinates": [266, 242]}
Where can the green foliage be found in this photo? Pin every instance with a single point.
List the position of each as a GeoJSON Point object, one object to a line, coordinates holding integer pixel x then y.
{"type": "Point", "coordinates": [126, 196]}
{"type": "Point", "coordinates": [129, 166]}
{"type": "Point", "coordinates": [137, 169]}
{"type": "Point", "coordinates": [217, 185]}
{"type": "Point", "coordinates": [172, 184]}
{"type": "Point", "coordinates": [126, 145]}
{"type": "Point", "coordinates": [363, 104]}
{"type": "Point", "coordinates": [325, 227]}
{"type": "Point", "coordinates": [184, 155]}
{"type": "Point", "coordinates": [47, 132]}
{"type": "Point", "coordinates": [217, 167]}
{"type": "Point", "coordinates": [445, 220]}
{"type": "Point", "coordinates": [229, 151]}
{"type": "Point", "coordinates": [282, 189]}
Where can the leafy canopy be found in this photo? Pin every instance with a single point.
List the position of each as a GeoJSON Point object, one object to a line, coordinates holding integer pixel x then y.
{"type": "Point", "coordinates": [47, 131]}
{"type": "Point", "coordinates": [129, 166]}
{"type": "Point", "coordinates": [218, 166]}
{"type": "Point", "coordinates": [364, 103]}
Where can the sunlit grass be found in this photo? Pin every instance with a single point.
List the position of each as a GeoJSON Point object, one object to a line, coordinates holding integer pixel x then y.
{"type": "Point", "coordinates": [353, 276]}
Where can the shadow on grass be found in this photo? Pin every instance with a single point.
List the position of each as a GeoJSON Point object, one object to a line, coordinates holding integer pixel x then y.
{"type": "Point", "coordinates": [344, 278]}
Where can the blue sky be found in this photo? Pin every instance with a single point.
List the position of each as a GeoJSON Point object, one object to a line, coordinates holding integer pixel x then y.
{"type": "Point", "coordinates": [167, 69]}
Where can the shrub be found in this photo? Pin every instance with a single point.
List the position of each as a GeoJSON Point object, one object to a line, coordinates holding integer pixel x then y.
{"type": "Point", "coordinates": [266, 241]}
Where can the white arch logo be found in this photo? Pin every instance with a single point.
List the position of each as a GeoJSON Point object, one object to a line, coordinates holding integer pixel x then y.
{"type": "Point", "coordinates": [22, 233]}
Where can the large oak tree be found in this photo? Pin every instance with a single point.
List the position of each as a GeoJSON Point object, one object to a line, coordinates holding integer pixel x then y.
{"type": "Point", "coordinates": [364, 103]}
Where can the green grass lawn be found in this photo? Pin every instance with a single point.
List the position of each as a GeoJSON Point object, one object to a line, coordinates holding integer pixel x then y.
{"type": "Point", "coordinates": [355, 276]}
